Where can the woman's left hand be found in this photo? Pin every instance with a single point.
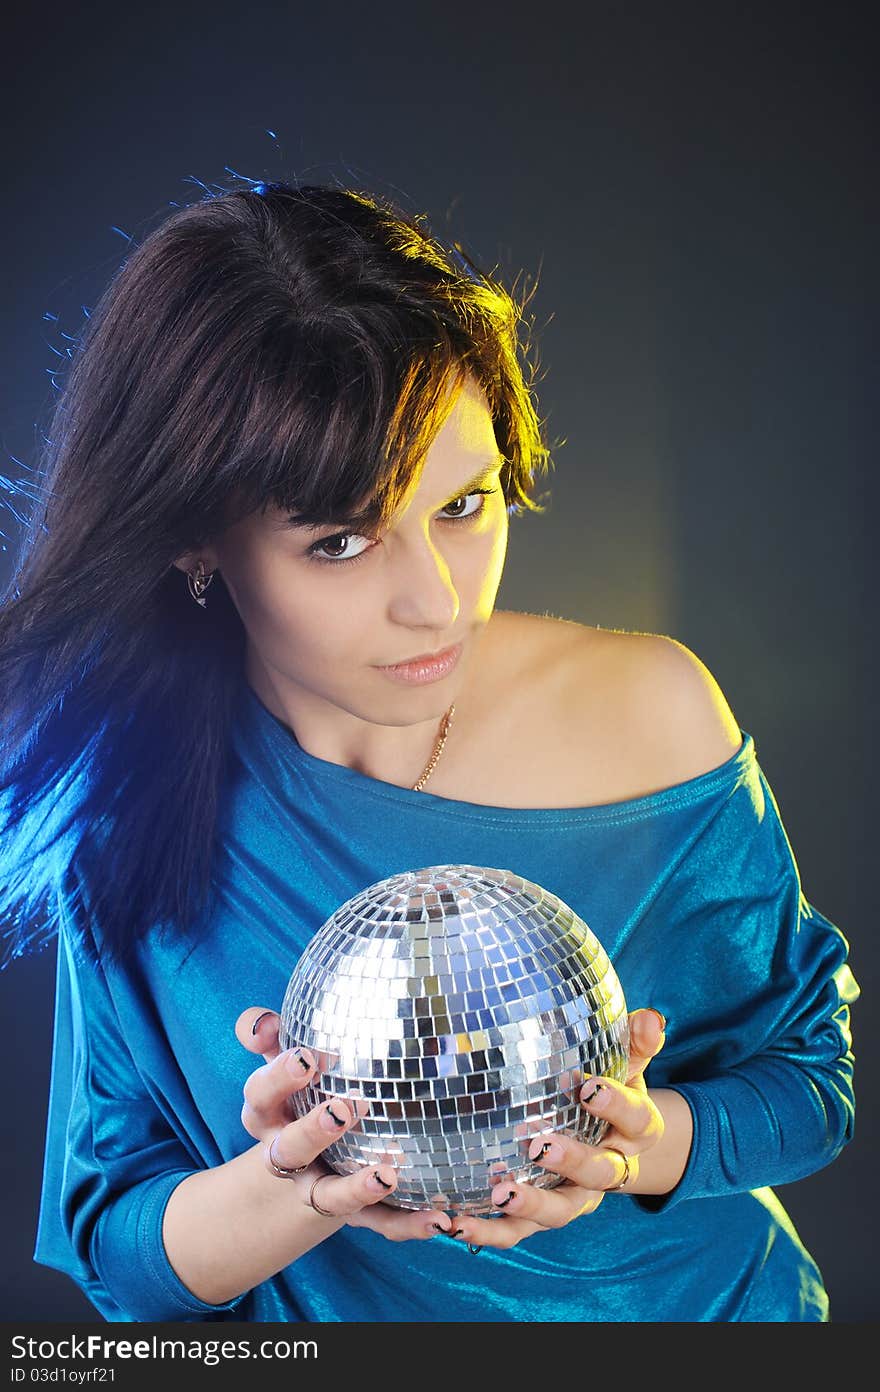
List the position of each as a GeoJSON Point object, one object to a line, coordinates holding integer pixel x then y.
{"type": "Point", "coordinates": [589, 1171]}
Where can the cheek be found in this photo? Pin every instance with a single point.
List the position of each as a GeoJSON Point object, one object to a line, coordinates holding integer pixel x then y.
{"type": "Point", "coordinates": [495, 550]}
{"type": "Point", "coordinates": [274, 602]}
{"type": "Point", "coordinates": [314, 623]}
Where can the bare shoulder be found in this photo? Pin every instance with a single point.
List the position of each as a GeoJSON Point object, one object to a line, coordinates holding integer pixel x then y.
{"type": "Point", "coordinates": [678, 721]}
{"type": "Point", "coordinates": [642, 707]}
{"type": "Point", "coordinates": [606, 714]}
{"type": "Point", "coordinates": [535, 635]}
{"type": "Point", "coordinates": [699, 716]}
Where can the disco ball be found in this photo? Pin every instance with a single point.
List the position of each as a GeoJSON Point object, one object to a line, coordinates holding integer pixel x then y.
{"type": "Point", "coordinates": [467, 1005]}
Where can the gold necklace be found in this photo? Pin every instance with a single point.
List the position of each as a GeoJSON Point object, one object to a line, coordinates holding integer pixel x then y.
{"type": "Point", "coordinates": [445, 725]}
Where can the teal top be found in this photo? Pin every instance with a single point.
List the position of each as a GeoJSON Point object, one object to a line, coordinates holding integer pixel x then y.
{"type": "Point", "coordinates": [694, 893]}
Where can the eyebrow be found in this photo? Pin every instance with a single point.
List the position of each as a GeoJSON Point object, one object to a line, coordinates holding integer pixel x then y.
{"type": "Point", "coordinates": [355, 520]}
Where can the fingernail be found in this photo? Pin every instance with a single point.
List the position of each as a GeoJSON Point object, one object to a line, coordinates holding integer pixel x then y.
{"type": "Point", "coordinates": [298, 1063]}
{"type": "Point", "coordinates": [454, 1232]}
{"type": "Point", "coordinates": [333, 1122]}
{"type": "Point", "coordinates": [437, 1227]}
{"type": "Point", "coordinates": [380, 1181]}
{"type": "Point", "coordinates": [259, 1018]}
{"type": "Point", "coordinates": [596, 1098]}
{"type": "Point", "coordinates": [660, 1016]}
{"type": "Point", "coordinates": [539, 1150]}
{"type": "Point", "coordinates": [502, 1203]}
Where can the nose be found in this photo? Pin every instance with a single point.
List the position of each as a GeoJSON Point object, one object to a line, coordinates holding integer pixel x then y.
{"type": "Point", "coordinates": [424, 595]}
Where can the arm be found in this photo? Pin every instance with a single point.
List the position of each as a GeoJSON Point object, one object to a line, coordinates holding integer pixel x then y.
{"type": "Point", "coordinates": [228, 1228]}
{"type": "Point", "coordinates": [734, 1132]}
{"type": "Point", "coordinates": [129, 1208]}
{"type": "Point", "coordinates": [764, 1063]}
{"type": "Point", "coordinates": [253, 1209]}
{"type": "Point", "coordinates": [112, 1160]}
{"type": "Point", "coordinates": [788, 1109]}
{"type": "Point", "coordinates": [662, 1166]}
{"type": "Point", "coordinates": [754, 1082]}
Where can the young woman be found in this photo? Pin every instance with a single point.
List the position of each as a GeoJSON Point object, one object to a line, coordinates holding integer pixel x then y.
{"type": "Point", "coordinates": [250, 664]}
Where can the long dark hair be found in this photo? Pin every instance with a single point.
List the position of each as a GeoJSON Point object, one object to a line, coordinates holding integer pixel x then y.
{"type": "Point", "coordinates": [271, 345]}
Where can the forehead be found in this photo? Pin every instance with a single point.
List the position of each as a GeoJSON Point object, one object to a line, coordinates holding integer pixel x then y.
{"type": "Point", "coordinates": [469, 423]}
{"type": "Point", "coordinates": [463, 448]}
{"type": "Point", "coordinates": [466, 439]}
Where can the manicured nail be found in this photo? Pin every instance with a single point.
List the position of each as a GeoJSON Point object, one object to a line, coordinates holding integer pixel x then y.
{"type": "Point", "coordinates": [259, 1018]}
{"type": "Point", "coordinates": [297, 1064]}
{"type": "Point", "coordinates": [331, 1122]}
{"type": "Point", "coordinates": [660, 1016]}
{"type": "Point", "coordinates": [545, 1151]}
{"type": "Point", "coordinates": [597, 1097]}
{"type": "Point", "coordinates": [437, 1227]}
{"type": "Point", "coordinates": [502, 1203]}
{"type": "Point", "coordinates": [379, 1180]}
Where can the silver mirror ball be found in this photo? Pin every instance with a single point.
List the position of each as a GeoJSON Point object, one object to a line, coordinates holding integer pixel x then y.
{"type": "Point", "coordinates": [467, 1005]}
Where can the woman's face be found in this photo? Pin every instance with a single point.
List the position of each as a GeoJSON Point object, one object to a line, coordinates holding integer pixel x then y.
{"type": "Point", "coordinates": [324, 609]}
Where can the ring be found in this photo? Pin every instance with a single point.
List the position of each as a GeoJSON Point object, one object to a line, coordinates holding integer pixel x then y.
{"type": "Point", "coordinates": [280, 1170]}
{"type": "Point", "coordinates": [325, 1212]}
{"type": "Point", "coordinates": [625, 1158]}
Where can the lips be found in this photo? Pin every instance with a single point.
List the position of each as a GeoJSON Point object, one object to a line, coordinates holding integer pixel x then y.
{"type": "Point", "coordinates": [435, 668]}
{"type": "Point", "coordinates": [422, 657]}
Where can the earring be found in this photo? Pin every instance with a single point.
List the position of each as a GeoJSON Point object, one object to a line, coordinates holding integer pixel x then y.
{"type": "Point", "coordinates": [198, 584]}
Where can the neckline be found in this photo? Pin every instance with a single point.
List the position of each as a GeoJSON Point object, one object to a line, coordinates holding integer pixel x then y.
{"type": "Point", "coordinates": [283, 742]}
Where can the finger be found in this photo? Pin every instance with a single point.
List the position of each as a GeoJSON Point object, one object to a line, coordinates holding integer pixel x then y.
{"type": "Point", "coordinates": [592, 1168]}
{"type": "Point", "coordinates": [630, 1111]}
{"type": "Point", "coordinates": [402, 1225]}
{"type": "Point", "coordinates": [503, 1232]}
{"type": "Point", "coordinates": [268, 1089]}
{"type": "Point", "coordinates": [257, 1029]}
{"type": "Point", "coordinates": [553, 1208]}
{"type": "Point", "coordinates": [301, 1141]}
{"type": "Point", "coordinates": [647, 1035]}
{"type": "Point", "coordinates": [344, 1195]}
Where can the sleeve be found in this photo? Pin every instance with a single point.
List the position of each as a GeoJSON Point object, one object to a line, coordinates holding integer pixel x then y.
{"type": "Point", "coordinates": [762, 1051]}
{"type": "Point", "coordinates": [111, 1160]}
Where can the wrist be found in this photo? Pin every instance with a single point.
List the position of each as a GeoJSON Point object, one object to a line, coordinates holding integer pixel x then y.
{"type": "Point", "coordinates": [663, 1164]}
{"type": "Point", "coordinates": [230, 1226]}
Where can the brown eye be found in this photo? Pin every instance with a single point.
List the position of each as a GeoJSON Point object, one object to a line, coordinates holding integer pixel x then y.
{"type": "Point", "coordinates": [340, 558]}
{"type": "Point", "coordinates": [480, 493]}
{"type": "Point", "coordinates": [332, 543]}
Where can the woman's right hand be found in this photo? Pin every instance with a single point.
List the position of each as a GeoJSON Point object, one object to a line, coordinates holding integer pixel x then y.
{"type": "Point", "coordinates": [291, 1144]}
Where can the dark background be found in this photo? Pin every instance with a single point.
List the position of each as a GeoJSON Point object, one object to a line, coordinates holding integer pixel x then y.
{"type": "Point", "coordinates": [692, 188]}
